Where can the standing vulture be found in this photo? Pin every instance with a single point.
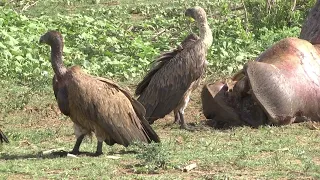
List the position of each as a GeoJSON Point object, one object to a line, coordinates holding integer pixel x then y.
{"type": "Point", "coordinates": [3, 137]}
{"type": "Point", "coordinates": [95, 104]}
{"type": "Point", "coordinates": [168, 85]}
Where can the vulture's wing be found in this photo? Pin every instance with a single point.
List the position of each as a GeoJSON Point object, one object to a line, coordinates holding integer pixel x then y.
{"type": "Point", "coordinates": [163, 59]}
{"type": "Point", "coordinates": [3, 137]}
{"type": "Point", "coordinates": [112, 108]}
{"type": "Point", "coordinates": [55, 86]}
{"type": "Point", "coordinates": [168, 85]}
{"type": "Point", "coordinates": [138, 108]}
{"type": "Point", "coordinates": [61, 95]}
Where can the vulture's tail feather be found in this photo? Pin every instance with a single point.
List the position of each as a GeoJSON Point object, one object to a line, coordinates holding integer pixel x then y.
{"type": "Point", "coordinates": [149, 132]}
{"type": "Point", "coordinates": [152, 135]}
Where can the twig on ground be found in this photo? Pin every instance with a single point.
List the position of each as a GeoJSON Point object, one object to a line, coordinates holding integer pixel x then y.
{"type": "Point", "coordinates": [72, 155]}
{"type": "Point", "coordinates": [158, 34]}
{"type": "Point", "coordinates": [113, 157]}
{"type": "Point", "coordinates": [189, 167]}
{"type": "Point", "coordinates": [50, 151]}
{"type": "Point", "coordinates": [28, 5]}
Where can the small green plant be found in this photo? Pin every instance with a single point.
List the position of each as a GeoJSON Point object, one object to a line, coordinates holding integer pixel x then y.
{"type": "Point", "coordinates": [154, 157]}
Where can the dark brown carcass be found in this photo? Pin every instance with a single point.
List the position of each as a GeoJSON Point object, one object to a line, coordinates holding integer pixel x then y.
{"type": "Point", "coordinates": [96, 104]}
{"type": "Point", "coordinates": [168, 85]}
{"type": "Point", "coordinates": [280, 87]}
{"type": "Point", "coordinates": [3, 137]}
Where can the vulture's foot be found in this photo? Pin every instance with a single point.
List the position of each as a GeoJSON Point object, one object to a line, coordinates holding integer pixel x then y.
{"type": "Point", "coordinates": [183, 124]}
{"type": "Point", "coordinates": [175, 122]}
{"type": "Point", "coordinates": [75, 152]}
{"type": "Point", "coordinates": [177, 119]}
{"type": "Point", "coordinates": [99, 149]}
{"type": "Point", "coordinates": [186, 127]}
{"type": "Point", "coordinates": [96, 154]}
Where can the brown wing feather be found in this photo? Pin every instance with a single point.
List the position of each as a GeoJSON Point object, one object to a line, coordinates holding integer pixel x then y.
{"type": "Point", "coordinates": [168, 85]}
{"type": "Point", "coordinates": [101, 104]}
{"type": "Point", "coordinates": [163, 59]}
{"type": "Point", "coordinates": [139, 110]}
{"type": "Point", "coordinates": [3, 137]}
{"type": "Point", "coordinates": [61, 94]}
{"type": "Point", "coordinates": [55, 86]}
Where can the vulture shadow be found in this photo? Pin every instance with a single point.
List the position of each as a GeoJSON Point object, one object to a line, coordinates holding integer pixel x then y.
{"type": "Point", "coordinates": [202, 125]}
{"type": "Point", "coordinates": [59, 154]}
{"type": "Point", "coordinates": [220, 125]}
{"type": "Point", "coordinates": [6, 156]}
{"type": "Point", "coordinates": [63, 153]}
{"type": "Point", "coordinates": [209, 125]}
{"type": "Point", "coordinates": [122, 152]}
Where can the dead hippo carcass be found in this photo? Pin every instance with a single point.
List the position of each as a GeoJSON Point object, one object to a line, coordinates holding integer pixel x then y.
{"type": "Point", "coordinates": [280, 87]}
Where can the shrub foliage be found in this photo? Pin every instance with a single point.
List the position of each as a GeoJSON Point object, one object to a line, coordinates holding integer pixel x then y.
{"type": "Point", "coordinates": [119, 40]}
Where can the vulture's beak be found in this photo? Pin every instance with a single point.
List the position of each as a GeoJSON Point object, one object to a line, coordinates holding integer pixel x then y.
{"type": "Point", "coordinates": [190, 19]}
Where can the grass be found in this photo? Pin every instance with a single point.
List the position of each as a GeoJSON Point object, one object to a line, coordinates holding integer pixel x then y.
{"type": "Point", "coordinates": [30, 117]}
{"type": "Point", "coordinates": [286, 152]}
{"type": "Point", "coordinates": [51, 8]}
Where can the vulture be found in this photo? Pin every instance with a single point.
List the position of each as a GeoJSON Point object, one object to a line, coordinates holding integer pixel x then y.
{"type": "Point", "coordinates": [3, 137]}
{"type": "Point", "coordinates": [168, 85]}
{"type": "Point", "coordinates": [96, 105]}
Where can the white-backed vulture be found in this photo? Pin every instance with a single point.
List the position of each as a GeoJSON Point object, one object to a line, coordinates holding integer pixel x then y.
{"type": "Point", "coordinates": [168, 85]}
{"type": "Point", "coordinates": [3, 137]}
{"type": "Point", "coordinates": [95, 104]}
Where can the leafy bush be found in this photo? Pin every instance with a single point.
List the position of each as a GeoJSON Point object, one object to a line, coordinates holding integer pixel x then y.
{"type": "Point", "coordinates": [120, 41]}
{"type": "Point", "coordinates": [280, 14]}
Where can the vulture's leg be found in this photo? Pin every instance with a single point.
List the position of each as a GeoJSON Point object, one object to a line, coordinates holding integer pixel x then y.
{"type": "Point", "coordinates": [183, 124]}
{"type": "Point", "coordinates": [176, 116]}
{"type": "Point", "coordinates": [99, 148]}
{"type": "Point", "coordinates": [76, 147]}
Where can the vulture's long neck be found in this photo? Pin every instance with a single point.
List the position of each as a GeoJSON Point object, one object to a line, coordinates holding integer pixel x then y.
{"type": "Point", "coordinates": [205, 32]}
{"type": "Point", "coordinates": [56, 59]}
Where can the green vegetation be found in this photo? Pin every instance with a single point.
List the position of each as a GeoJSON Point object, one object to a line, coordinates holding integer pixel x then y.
{"type": "Point", "coordinates": [118, 40]}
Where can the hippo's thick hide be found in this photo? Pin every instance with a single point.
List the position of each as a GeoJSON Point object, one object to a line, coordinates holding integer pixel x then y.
{"type": "Point", "coordinates": [281, 86]}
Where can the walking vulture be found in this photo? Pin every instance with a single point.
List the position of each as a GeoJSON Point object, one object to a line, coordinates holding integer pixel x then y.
{"type": "Point", "coordinates": [168, 85]}
{"type": "Point", "coordinates": [95, 104]}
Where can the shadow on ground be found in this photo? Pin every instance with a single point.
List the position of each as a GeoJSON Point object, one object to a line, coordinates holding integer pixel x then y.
{"type": "Point", "coordinates": [58, 154]}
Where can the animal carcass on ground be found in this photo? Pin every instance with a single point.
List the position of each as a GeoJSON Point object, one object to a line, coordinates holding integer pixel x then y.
{"type": "Point", "coordinates": [280, 87]}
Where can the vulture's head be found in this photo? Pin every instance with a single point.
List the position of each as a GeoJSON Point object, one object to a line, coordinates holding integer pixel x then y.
{"type": "Point", "coordinates": [197, 13]}
{"type": "Point", "coordinates": [51, 38]}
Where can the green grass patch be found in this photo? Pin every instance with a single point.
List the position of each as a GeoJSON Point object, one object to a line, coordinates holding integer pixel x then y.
{"type": "Point", "coordinates": [245, 153]}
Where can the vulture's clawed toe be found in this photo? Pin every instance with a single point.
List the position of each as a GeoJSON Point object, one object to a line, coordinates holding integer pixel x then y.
{"type": "Point", "coordinates": [176, 121]}
{"type": "Point", "coordinates": [74, 152]}
{"type": "Point", "coordinates": [96, 154]}
{"type": "Point", "coordinates": [188, 128]}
